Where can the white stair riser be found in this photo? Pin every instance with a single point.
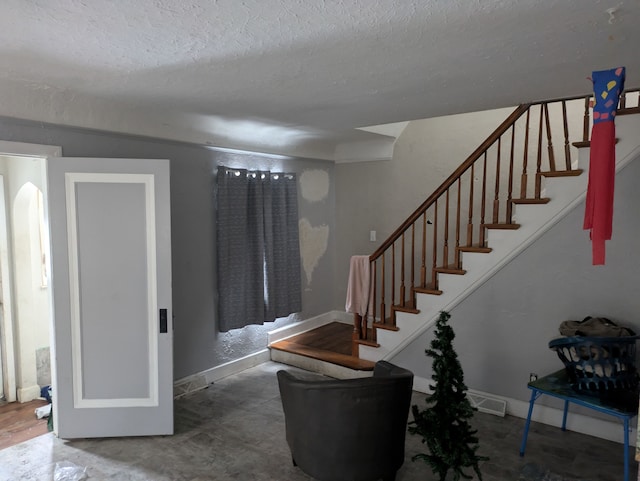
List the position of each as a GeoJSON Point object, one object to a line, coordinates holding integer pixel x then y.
{"type": "Point", "coordinates": [534, 220]}
{"type": "Point", "coordinates": [315, 365]}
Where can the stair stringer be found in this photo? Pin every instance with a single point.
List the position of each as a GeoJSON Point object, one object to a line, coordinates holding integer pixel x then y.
{"type": "Point", "coordinates": [565, 193]}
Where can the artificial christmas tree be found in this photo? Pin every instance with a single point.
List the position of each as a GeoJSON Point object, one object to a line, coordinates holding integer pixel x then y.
{"type": "Point", "coordinates": [444, 424]}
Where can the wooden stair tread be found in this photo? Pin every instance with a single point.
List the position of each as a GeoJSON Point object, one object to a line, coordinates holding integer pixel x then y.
{"type": "Point", "coordinates": [330, 343]}
{"type": "Point", "coordinates": [502, 226]}
{"type": "Point", "coordinates": [587, 143]}
{"type": "Point", "coordinates": [409, 309]}
{"type": "Point", "coordinates": [582, 143]}
{"type": "Point", "coordinates": [366, 342]}
{"type": "Point", "coordinates": [428, 290]}
{"type": "Point", "coordinates": [387, 326]}
{"type": "Point", "coordinates": [450, 270]}
{"type": "Point", "coordinates": [562, 173]}
{"type": "Point", "coordinates": [481, 250]}
{"type": "Point", "coordinates": [543, 200]}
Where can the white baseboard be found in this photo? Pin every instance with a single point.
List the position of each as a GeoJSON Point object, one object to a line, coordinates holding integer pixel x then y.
{"type": "Point", "coordinates": [580, 423]}
{"type": "Point", "coordinates": [342, 316]}
{"type": "Point", "coordinates": [306, 325]}
{"type": "Point", "coordinates": [202, 379]}
{"type": "Point", "coordinates": [26, 394]}
{"type": "Point", "coordinates": [600, 428]}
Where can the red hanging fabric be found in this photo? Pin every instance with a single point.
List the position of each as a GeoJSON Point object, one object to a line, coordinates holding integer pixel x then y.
{"type": "Point", "coordinates": [602, 170]}
{"type": "Point", "coordinates": [608, 85]}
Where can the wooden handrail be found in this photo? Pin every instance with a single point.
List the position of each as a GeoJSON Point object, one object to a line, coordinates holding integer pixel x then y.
{"type": "Point", "coordinates": [575, 97]}
{"type": "Point", "coordinates": [512, 160]}
{"type": "Point", "coordinates": [502, 128]}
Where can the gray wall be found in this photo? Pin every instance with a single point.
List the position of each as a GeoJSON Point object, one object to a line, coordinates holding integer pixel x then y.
{"type": "Point", "coordinates": [197, 343]}
{"type": "Point", "coordinates": [504, 327]}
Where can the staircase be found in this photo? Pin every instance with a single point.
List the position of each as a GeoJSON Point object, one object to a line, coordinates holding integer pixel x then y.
{"type": "Point", "coordinates": [524, 178]}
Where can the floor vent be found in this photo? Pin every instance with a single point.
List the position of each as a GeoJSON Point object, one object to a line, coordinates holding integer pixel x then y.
{"type": "Point", "coordinates": [489, 405]}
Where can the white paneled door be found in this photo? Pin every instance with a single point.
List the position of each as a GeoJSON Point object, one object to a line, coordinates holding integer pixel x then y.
{"type": "Point", "coordinates": [109, 222]}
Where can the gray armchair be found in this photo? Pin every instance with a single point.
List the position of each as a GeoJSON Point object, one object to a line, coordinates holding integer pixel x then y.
{"type": "Point", "coordinates": [348, 430]}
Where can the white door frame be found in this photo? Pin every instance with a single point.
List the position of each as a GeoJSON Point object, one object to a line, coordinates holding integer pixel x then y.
{"type": "Point", "coordinates": [7, 359]}
{"type": "Point", "coordinates": [7, 350]}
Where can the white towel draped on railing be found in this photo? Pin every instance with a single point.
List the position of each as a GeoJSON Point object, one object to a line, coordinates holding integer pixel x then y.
{"type": "Point", "coordinates": [359, 286]}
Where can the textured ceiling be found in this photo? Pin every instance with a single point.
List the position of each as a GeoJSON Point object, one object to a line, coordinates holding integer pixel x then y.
{"type": "Point", "coordinates": [297, 77]}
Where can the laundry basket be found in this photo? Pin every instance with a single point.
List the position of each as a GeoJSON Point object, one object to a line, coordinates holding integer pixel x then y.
{"type": "Point", "coordinates": [598, 364]}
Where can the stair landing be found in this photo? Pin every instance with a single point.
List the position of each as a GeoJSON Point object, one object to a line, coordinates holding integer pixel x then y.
{"type": "Point", "coordinates": [328, 344]}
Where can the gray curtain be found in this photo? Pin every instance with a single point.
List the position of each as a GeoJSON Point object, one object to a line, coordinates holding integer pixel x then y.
{"type": "Point", "coordinates": [258, 247]}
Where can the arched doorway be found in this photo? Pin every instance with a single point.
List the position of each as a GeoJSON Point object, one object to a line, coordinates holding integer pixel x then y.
{"type": "Point", "coordinates": [32, 309]}
{"type": "Point", "coordinates": [20, 164]}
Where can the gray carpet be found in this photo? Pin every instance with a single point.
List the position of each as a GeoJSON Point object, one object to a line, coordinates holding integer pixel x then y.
{"type": "Point", "coordinates": [535, 472]}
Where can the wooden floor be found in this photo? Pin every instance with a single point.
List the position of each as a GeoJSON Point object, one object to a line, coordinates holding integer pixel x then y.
{"type": "Point", "coordinates": [330, 343]}
{"type": "Point", "coordinates": [18, 422]}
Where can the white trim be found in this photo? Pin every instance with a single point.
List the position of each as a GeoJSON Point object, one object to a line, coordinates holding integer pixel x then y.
{"type": "Point", "coordinates": [580, 423]}
{"type": "Point", "coordinates": [316, 365]}
{"type": "Point", "coordinates": [71, 180]}
{"type": "Point", "coordinates": [421, 384]}
{"type": "Point", "coordinates": [29, 150]}
{"type": "Point", "coordinates": [152, 283]}
{"type": "Point", "coordinates": [236, 366]}
{"type": "Point", "coordinates": [8, 362]}
{"type": "Point", "coordinates": [609, 429]}
{"type": "Point", "coordinates": [306, 325]}
{"type": "Point", "coordinates": [74, 289]}
{"type": "Point", "coordinates": [29, 393]}
{"type": "Point", "coordinates": [114, 403]}
{"type": "Point", "coordinates": [202, 379]}
{"type": "Point", "coordinates": [465, 292]}
{"type": "Point", "coordinates": [15, 149]}
{"type": "Point", "coordinates": [343, 316]}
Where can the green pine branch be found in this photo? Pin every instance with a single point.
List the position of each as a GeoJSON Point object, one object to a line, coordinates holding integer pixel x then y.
{"type": "Point", "coordinates": [443, 425]}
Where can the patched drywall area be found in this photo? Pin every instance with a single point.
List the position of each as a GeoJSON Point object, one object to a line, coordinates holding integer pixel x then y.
{"type": "Point", "coordinates": [314, 185]}
{"type": "Point", "coordinates": [43, 366]}
{"type": "Point", "coordinates": [313, 245]}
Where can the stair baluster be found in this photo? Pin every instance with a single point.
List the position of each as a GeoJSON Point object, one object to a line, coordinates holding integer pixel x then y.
{"type": "Point", "coordinates": [525, 159]}
{"type": "Point", "coordinates": [436, 209]}
{"type": "Point", "coordinates": [483, 231]}
{"type": "Point", "coordinates": [552, 157]}
{"type": "Point", "coordinates": [567, 148]}
{"type": "Point", "coordinates": [539, 161]}
{"type": "Point", "coordinates": [457, 259]}
{"type": "Point", "coordinates": [471, 201]}
{"type": "Point", "coordinates": [510, 183]}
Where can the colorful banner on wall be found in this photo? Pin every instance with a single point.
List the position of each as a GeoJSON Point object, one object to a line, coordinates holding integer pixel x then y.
{"type": "Point", "coordinates": [598, 218]}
